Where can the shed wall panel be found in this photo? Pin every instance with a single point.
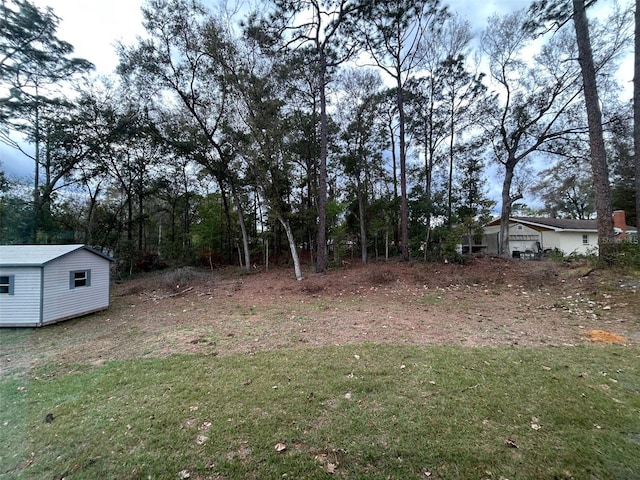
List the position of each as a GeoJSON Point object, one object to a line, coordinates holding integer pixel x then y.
{"type": "Point", "coordinates": [60, 301]}
{"type": "Point", "coordinates": [23, 307]}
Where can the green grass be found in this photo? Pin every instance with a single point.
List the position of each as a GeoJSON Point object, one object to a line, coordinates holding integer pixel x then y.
{"type": "Point", "coordinates": [371, 411]}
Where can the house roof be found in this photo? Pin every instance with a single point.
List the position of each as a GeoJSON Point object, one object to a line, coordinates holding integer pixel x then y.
{"type": "Point", "coordinates": [38, 255]}
{"type": "Point", "coordinates": [558, 223]}
{"type": "Point", "coordinates": [555, 224]}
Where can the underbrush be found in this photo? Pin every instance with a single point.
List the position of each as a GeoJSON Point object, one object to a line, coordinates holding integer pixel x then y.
{"type": "Point", "coordinates": [357, 411]}
{"type": "Point", "coordinates": [624, 255]}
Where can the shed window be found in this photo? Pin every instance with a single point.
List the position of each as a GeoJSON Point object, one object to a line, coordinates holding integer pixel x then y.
{"type": "Point", "coordinates": [79, 278]}
{"type": "Point", "coordinates": [585, 239]}
{"type": "Point", "coordinates": [6, 284]}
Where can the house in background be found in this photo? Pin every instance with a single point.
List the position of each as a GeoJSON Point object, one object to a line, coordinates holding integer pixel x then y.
{"type": "Point", "coordinates": [43, 284]}
{"type": "Point", "coordinates": [530, 236]}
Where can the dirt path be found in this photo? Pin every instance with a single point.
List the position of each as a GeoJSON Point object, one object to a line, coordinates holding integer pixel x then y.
{"type": "Point", "coordinates": [488, 302]}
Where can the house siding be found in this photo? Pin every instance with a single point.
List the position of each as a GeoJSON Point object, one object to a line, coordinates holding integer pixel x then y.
{"type": "Point", "coordinates": [22, 309]}
{"type": "Point", "coordinates": [523, 238]}
{"type": "Point", "coordinates": [60, 301]}
{"type": "Point", "coordinates": [567, 240]}
{"type": "Point", "coordinates": [551, 240]}
{"type": "Point", "coordinates": [571, 242]}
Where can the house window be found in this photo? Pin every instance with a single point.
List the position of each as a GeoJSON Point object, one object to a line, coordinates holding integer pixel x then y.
{"type": "Point", "coordinates": [79, 278]}
{"type": "Point", "coordinates": [585, 239]}
{"type": "Point", "coordinates": [6, 284]}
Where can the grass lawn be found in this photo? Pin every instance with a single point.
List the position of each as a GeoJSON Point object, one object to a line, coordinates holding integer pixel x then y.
{"type": "Point", "coordinates": [360, 411]}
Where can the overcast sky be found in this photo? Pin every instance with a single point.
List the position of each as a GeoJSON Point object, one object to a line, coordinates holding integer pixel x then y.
{"type": "Point", "coordinates": [94, 27]}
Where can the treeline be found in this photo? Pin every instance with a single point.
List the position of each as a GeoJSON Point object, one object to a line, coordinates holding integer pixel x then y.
{"type": "Point", "coordinates": [254, 137]}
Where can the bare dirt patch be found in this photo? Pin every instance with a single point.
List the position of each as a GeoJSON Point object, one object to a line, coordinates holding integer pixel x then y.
{"type": "Point", "coordinates": [487, 302]}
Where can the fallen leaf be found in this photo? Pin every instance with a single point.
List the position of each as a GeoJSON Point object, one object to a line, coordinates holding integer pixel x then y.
{"type": "Point", "coordinates": [534, 423]}
{"type": "Point", "coordinates": [202, 439]}
{"type": "Point", "coordinates": [184, 474]}
{"type": "Point", "coordinates": [510, 442]}
{"type": "Point", "coordinates": [331, 468]}
{"type": "Point", "coordinates": [281, 447]}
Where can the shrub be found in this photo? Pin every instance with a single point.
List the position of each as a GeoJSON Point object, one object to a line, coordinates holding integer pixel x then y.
{"type": "Point", "coordinates": [382, 276]}
{"type": "Point", "coordinates": [181, 278]}
{"type": "Point", "coordinates": [624, 255]}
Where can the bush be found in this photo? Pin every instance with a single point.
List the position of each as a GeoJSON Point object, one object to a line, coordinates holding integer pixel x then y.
{"type": "Point", "coordinates": [624, 255]}
{"type": "Point", "coordinates": [181, 278]}
{"type": "Point", "coordinates": [382, 276]}
{"type": "Point", "coordinates": [149, 262]}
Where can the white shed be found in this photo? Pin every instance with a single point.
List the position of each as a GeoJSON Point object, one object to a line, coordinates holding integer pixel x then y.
{"type": "Point", "coordinates": [43, 284]}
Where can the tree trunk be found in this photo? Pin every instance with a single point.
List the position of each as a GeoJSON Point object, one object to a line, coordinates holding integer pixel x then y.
{"type": "Point", "coordinates": [321, 256]}
{"type": "Point", "coordinates": [404, 206]}
{"type": "Point", "coordinates": [505, 213]}
{"type": "Point", "coordinates": [36, 178]}
{"type": "Point", "coordinates": [140, 218]}
{"type": "Point", "coordinates": [243, 228]}
{"type": "Point", "coordinates": [450, 180]}
{"type": "Point", "coordinates": [292, 246]}
{"type": "Point", "coordinates": [392, 140]}
{"type": "Point", "coordinates": [363, 222]}
{"type": "Point", "coordinates": [596, 138]}
{"type": "Point", "coordinates": [88, 230]}
{"type": "Point", "coordinates": [636, 109]}
{"type": "Point", "coordinates": [429, 152]}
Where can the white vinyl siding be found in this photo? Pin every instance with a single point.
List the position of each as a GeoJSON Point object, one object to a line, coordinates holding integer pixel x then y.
{"type": "Point", "coordinates": [63, 297]}
{"type": "Point", "coordinates": [49, 283]}
{"type": "Point", "coordinates": [22, 308]}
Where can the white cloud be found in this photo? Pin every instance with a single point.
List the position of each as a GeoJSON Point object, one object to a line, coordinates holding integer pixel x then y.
{"type": "Point", "coordinates": [94, 26]}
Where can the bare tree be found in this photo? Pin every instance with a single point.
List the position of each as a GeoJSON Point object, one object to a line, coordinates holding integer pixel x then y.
{"type": "Point", "coordinates": [556, 14]}
{"type": "Point", "coordinates": [322, 28]}
{"type": "Point", "coordinates": [184, 55]}
{"type": "Point", "coordinates": [394, 34]}
{"type": "Point", "coordinates": [360, 157]}
{"type": "Point", "coordinates": [534, 100]}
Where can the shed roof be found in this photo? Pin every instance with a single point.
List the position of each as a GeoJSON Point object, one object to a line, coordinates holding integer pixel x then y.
{"type": "Point", "coordinates": [38, 255]}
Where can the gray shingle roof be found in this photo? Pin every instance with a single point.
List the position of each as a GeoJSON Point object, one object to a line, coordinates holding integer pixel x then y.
{"type": "Point", "coordinates": [36, 255]}
{"type": "Point", "coordinates": [559, 223]}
